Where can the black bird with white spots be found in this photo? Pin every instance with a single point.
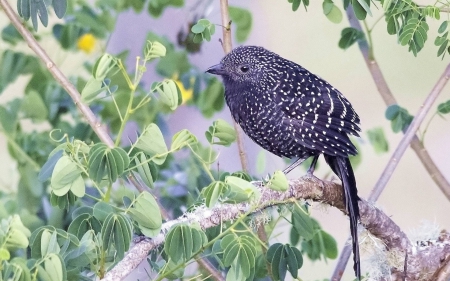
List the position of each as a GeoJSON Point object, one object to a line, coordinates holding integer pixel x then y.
{"type": "Point", "coordinates": [293, 113]}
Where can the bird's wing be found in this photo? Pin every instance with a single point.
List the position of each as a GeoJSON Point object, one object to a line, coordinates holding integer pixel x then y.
{"type": "Point", "coordinates": [320, 116]}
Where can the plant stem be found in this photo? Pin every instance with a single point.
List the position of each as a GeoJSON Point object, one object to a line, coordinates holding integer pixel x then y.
{"type": "Point", "coordinates": [369, 37]}
{"type": "Point", "coordinates": [409, 135]}
{"type": "Point", "coordinates": [98, 128]}
{"type": "Point", "coordinates": [389, 99]}
{"type": "Point", "coordinates": [227, 46]}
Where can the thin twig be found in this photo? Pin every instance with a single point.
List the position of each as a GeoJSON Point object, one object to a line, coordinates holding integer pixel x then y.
{"type": "Point", "coordinates": [206, 265]}
{"type": "Point", "coordinates": [227, 46]}
{"type": "Point", "coordinates": [409, 134]}
{"type": "Point", "coordinates": [98, 128]}
{"type": "Point", "coordinates": [389, 99]}
{"type": "Point", "coordinates": [415, 143]}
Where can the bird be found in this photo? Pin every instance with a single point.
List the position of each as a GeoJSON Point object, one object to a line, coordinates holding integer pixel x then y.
{"type": "Point", "coordinates": [293, 113]}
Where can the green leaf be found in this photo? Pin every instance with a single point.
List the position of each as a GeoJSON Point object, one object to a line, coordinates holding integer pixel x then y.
{"type": "Point", "coordinates": [67, 176]}
{"type": "Point", "coordinates": [443, 26]}
{"type": "Point", "coordinates": [146, 169]}
{"type": "Point", "coordinates": [296, 4]}
{"type": "Point", "coordinates": [400, 118]}
{"type": "Point", "coordinates": [283, 258]}
{"type": "Point", "coordinates": [12, 65]}
{"type": "Point", "coordinates": [378, 140]}
{"type": "Point", "coordinates": [327, 6]}
{"type": "Point", "coordinates": [183, 241]}
{"type": "Point", "coordinates": [414, 34]}
{"type": "Point", "coordinates": [69, 34]}
{"type": "Point", "coordinates": [47, 169]}
{"type": "Point", "coordinates": [332, 12]}
{"type": "Point", "coordinates": [83, 223]}
{"type": "Point", "coordinates": [4, 254]}
{"type": "Point", "coordinates": [444, 108]}
{"type": "Point", "coordinates": [106, 161]}
{"type": "Point", "coordinates": [239, 253]}
{"type": "Point", "coordinates": [156, 8]}
{"type": "Point", "coordinates": [63, 202]}
{"type": "Point", "coordinates": [240, 190]}
{"type": "Point", "coordinates": [211, 99]}
{"type": "Point", "coordinates": [221, 133]}
{"type": "Point", "coordinates": [349, 36]}
{"type": "Point", "coordinates": [13, 233]}
{"type": "Point", "coordinates": [330, 245]}
{"type": "Point", "coordinates": [183, 138]}
{"type": "Point", "coordinates": [322, 245]}
{"type": "Point", "coordinates": [33, 8]}
{"type": "Point", "coordinates": [278, 182]}
{"type": "Point", "coordinates": [154, 50]}
{"type": "Point", "coordinates": [361, 8]}
{"type": "Point", "coordinates": [168, 92]}
{"type": "Point", "coordinates": [261, 162]}
{"type": "Point", "coordinates": [11, 35]}
{"type": "Point", "coordinates": [302, 222]}
{"type": "Point", "coordinates": [145, 211]}
{"type": "Point", "coordinates": [54, 267]}
{"type": "Point", "coordinates": [34, 107]}
{"type": "Point", "coordinates": [392, 111]}
{"type": "Point", "coordinates": [198, 28]}
{"type": "Point", "coordinates": [9, 116]}
{"type": "Point", "coordinates": [242, 18]}
{"type": "Point", "coordinates": [91, 90]}
{"type": "Point", "coordinates": [60, 7]}
{"type": "Point", "coordinates": [102, 210]}
{"type": "Point", "coordinates": [106, 64]}
{"type": "Point", "coordinates": [151, 141]}
{"type": "Point", "coordinates": [214, 192]}
{"type": "Point", "coordinates": [117, 231]}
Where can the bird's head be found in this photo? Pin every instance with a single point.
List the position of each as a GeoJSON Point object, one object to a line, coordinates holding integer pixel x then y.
{"type": "Point", "coordinates": [245, 64]}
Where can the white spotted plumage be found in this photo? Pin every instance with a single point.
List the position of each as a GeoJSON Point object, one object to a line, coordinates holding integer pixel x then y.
{"type": "Point", "coordinates": [277, 101]}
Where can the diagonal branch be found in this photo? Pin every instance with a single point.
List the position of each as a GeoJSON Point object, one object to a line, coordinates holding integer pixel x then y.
{"type": "Point", "coordinates": [98, 128]}
{"type": "Point", "coordinates": [389, 99]}
{"type": "Point", "coordinates": [409, 139]}
{"type": "Point", "coordinates": [409, 135]}
{"type": "Point", "coordinates": [373, 219]}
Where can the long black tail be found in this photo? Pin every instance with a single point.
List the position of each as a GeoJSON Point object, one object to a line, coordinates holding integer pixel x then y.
{"type": "Point", "coordinates": [343, 169]}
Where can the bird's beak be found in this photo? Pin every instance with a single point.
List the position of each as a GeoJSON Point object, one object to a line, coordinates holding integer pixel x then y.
{"type": "Point", "coordinates": [216, 69]}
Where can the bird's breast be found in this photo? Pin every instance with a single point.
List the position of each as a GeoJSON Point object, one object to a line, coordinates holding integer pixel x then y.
{"type": "Point", "coordinates": [261, 120]}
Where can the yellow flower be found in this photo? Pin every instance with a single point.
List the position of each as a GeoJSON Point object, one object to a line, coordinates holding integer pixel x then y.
{"type": "Point", "coordinates": [186, 94]}
{"type": "Point", "coordinates": [86, 42]}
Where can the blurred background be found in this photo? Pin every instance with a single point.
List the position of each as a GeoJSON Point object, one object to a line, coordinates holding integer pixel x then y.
{"type": "Point", "coordinates": [411, 198]}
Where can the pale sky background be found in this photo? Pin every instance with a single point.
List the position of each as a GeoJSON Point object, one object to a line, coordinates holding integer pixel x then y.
{"type": "Point", "coordinates": [310, 40]}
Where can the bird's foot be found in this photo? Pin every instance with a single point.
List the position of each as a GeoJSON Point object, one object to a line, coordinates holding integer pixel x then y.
{"type": "Point", "coordinates": [310, 177]}
{"type": "Point", "coordinates": [257, 182]}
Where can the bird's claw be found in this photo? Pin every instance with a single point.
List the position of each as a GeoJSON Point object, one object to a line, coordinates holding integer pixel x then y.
{"type": "Point", "coordinates": [310, 177]}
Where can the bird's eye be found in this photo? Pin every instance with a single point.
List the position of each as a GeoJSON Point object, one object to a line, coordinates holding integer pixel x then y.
{"type": "Point", "coordinates": [244, 68]}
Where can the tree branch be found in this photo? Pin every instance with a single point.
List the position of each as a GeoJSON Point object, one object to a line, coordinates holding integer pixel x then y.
{"type": "Point", "coordinates": [227, 46]}
{"type": "Point", "coordinates": [389, 99]}
{"type": "Point", "coordinates": [412, 139]}
{"type": "Point", "coordinates": [375, 221]}
{"type": "Point", "coordinates": [409, 135]}
{"type": "Point", "coordinates": [98, 128]}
